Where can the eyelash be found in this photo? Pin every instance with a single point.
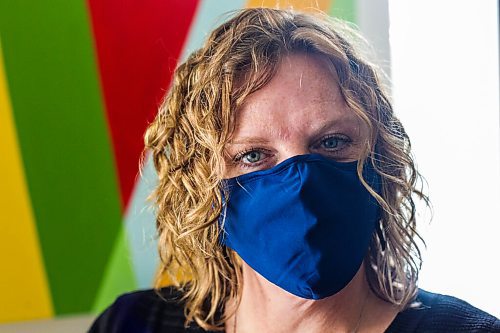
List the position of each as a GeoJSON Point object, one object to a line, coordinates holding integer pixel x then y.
{"type": "Point", "coordinates": [345, 140]}
{"type": "Point", "coordinates": [239, 156]}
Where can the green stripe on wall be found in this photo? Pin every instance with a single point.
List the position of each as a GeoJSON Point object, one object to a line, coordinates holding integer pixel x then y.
{"type": "Point", "coordinates": [64, 141]}
{"type": "Point", "coordinates": [119, 277]}
{"type": "Point", "coordinates": [344, 9]}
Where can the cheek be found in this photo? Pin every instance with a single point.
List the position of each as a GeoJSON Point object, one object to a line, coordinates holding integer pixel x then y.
{"type": "Point", "coordinates": [229, 172]}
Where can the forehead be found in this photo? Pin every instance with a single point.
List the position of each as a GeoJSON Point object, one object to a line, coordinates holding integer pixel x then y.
{"type": "Point", "coordinates": [304, 92]}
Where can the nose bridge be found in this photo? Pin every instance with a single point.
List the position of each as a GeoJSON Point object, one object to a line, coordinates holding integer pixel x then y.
{"type": "Point", "coordinates": [293, 139]}
{"type": "Point", "coordinates": [292, 148]}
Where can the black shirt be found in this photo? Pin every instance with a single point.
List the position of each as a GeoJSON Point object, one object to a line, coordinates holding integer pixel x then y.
{"type": "Point", "coordinates": [145, 312]}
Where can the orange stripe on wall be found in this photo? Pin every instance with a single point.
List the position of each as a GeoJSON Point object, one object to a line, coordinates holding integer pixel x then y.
{"type": "Point", "coordinates": [23, 285]}
{"type": "Point", "coordinates": [302, 5]}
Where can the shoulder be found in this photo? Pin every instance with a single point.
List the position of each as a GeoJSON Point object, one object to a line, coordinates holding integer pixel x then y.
{"type": "Point", "coordinates": [441, 313]}
{"type": "Point", "coordinates": [144, 311]}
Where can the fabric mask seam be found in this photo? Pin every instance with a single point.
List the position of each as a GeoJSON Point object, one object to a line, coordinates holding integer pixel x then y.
{"type": "Point", "coordinates": [311, 276]}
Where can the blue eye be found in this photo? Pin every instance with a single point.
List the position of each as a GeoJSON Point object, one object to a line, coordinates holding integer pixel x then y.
{"type": "Point", "coordinates": [252, 157]}
{"type": "Point", "coordinates": [331, 143]}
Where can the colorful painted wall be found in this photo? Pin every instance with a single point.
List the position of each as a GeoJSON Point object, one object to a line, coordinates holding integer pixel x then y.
{"type": "Point", "coordinates": [79, 82]}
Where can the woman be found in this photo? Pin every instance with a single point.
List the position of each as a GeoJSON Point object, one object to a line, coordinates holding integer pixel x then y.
{"type": "Point", "coordinates": [286, 193]}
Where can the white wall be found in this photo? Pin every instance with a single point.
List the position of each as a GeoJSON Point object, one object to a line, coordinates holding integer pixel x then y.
{"type": "Point", "coordinates": [372, 18]}
{"type": "Point", "coordinates": [445, 75]}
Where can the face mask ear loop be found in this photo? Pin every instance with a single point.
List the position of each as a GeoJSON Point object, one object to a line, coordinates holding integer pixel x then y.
{"type": "Point", "coordinates": [381, 236]}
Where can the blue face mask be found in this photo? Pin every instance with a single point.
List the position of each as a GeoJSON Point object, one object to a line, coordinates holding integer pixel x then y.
{"type": "Point", "coordinates": [305, 224]}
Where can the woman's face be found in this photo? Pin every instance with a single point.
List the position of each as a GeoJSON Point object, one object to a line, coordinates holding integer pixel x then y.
{"type": "Point", "coordinates": [300, 111]}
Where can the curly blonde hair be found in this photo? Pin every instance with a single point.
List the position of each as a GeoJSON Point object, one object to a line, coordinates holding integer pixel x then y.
{"type": "Point", "coordinates": [188, 136]}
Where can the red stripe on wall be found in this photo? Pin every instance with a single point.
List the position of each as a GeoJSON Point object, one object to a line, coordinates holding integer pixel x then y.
{"type": "Point", "coordinates": [138, 44]}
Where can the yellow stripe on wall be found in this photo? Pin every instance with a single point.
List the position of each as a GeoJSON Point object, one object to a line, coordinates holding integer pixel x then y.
{"type": "Point", "coordinates": [24, 291]}
{"type": "Point", "coordinates": [301, 5]}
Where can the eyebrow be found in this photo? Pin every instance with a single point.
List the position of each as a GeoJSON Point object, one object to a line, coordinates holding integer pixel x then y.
{"type": "Point", "coordinates": [248, 140]}
{"type": "Point", "coordinates": [340, 121]}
